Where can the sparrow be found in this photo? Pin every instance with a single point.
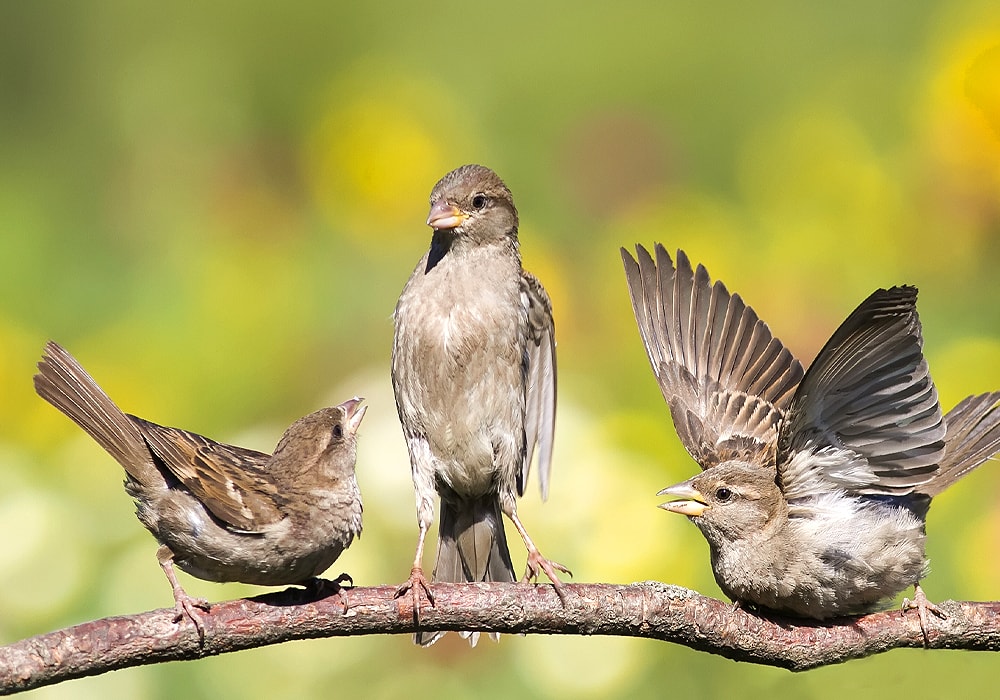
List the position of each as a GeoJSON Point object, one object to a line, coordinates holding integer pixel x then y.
{"type": "Point", "coordinates": [474, 374]}
{"type": "Point", "coordinates": [222, 512]}
{"type": "Point", "coordinates": [816, 484]}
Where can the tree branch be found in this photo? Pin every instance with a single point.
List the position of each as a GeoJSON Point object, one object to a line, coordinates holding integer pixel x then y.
{"type": "Point", "coordinates": [650, 609]}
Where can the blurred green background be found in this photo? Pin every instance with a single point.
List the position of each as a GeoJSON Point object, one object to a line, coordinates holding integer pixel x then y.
{"type": "Point", "coordinates": [214, 206]}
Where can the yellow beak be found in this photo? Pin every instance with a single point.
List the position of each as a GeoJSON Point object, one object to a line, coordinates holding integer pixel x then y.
{"type": "Point", "coordinates": [444, 216]}
{"type": "Point", "coordinates": [693, 504]}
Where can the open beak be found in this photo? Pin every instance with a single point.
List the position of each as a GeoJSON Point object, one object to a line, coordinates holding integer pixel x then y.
{"type": "Point", "coordinates": [355, 411]}
{"type": "Point", "coordinates": [444, 215]}
{"type": "Point", "coordinates": [693, 503]}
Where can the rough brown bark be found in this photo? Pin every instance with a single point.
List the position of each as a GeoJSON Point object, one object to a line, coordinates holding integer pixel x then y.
{"type": "Point", "coordinates": [650, 609]}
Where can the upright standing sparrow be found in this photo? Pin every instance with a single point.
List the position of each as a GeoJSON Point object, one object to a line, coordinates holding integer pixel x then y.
{"type": "Point", "coordinates": [474, 371]}
{"type": "Point", "coordinates": [221, 512]}
{"type": "Point", "coordinates": [815, 488]}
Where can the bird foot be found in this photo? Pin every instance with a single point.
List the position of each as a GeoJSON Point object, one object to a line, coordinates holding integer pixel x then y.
{"type": "Point", "coordinates": [922, 605]}
{"type": "Point", "coordinates": [185, 606]}
{"type": "Point", "coordinates": [415, 584]}
{"type": "Point", "coordinates": [322, 588]}
{"type": "Point", "coordinates": [537, 564]}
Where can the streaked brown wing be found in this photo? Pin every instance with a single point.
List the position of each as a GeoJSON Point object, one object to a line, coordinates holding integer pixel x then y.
{"type": "Point", "coordinates": [724, 376]}
{"type": "Point", "coordinates": [866, 416]}
{"type": "Point", "coordinates": [540, 391]}
{"type": "Point", "coordinates": [227, 479]}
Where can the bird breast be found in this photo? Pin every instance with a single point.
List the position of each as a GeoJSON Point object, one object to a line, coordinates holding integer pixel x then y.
{"type": "Point", "coordinates": [835, 555]}
{"type": "Point", "coordinates": [460, 337]}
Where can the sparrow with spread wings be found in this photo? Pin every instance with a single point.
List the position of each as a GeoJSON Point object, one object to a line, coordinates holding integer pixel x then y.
{"type": "Point", "coordinates": [816, 484]}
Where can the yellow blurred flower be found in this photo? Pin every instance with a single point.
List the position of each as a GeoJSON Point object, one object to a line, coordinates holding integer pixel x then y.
{"type": "Point", "coordinates": [961, 114]}
{"type": "Point", "coordinates": [982, 85]}
{"type": "Point", "coordinates": [378, 146]}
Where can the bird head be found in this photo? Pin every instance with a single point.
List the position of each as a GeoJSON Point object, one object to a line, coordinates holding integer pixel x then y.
{"type": "Point", "coordinates": [727, 502]}
{"type": "Point", "coordinates": [473, 202]}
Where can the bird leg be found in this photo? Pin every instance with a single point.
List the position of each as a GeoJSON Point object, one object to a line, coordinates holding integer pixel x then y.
{"type": "Point", "coordinates": [536, 562]}
{"type": "Point", "coordinates": [922, 605]}
{"type": "Point", "coordinates": [183, 603]}
{"type": "Point", "coordinates": [417, 580]}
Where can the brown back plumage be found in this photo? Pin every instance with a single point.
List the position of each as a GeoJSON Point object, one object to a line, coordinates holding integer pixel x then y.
{"type": "Point", "coordinates": [224, 478]}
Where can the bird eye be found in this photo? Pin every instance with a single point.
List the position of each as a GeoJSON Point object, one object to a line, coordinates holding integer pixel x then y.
{"type": "Point", "coordinates": [722, 494]}
{"type": "Point", "coordinates": [338, 432]}
{"type": "Point", "coordinates": [479, 201]}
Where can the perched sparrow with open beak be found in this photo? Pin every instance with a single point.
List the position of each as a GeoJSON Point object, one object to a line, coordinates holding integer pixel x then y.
{"type": "Point", "coordinates": [221, 512]}
{"type": "Point", "coordinates": [815, 487]}
{"type": "Point", "coordinates": [474, 371]}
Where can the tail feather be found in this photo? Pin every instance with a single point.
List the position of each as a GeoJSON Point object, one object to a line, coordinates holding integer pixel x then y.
{"type": "Point", "coordinates": [472, 547]}
{"type": "Point", "coordinates": [972, 437]}
{"type": "Point", "coordinates": [66, 385]}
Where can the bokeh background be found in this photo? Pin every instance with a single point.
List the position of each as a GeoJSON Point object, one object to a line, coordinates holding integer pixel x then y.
{"type": "Point", "coordinates": [215, 205]}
